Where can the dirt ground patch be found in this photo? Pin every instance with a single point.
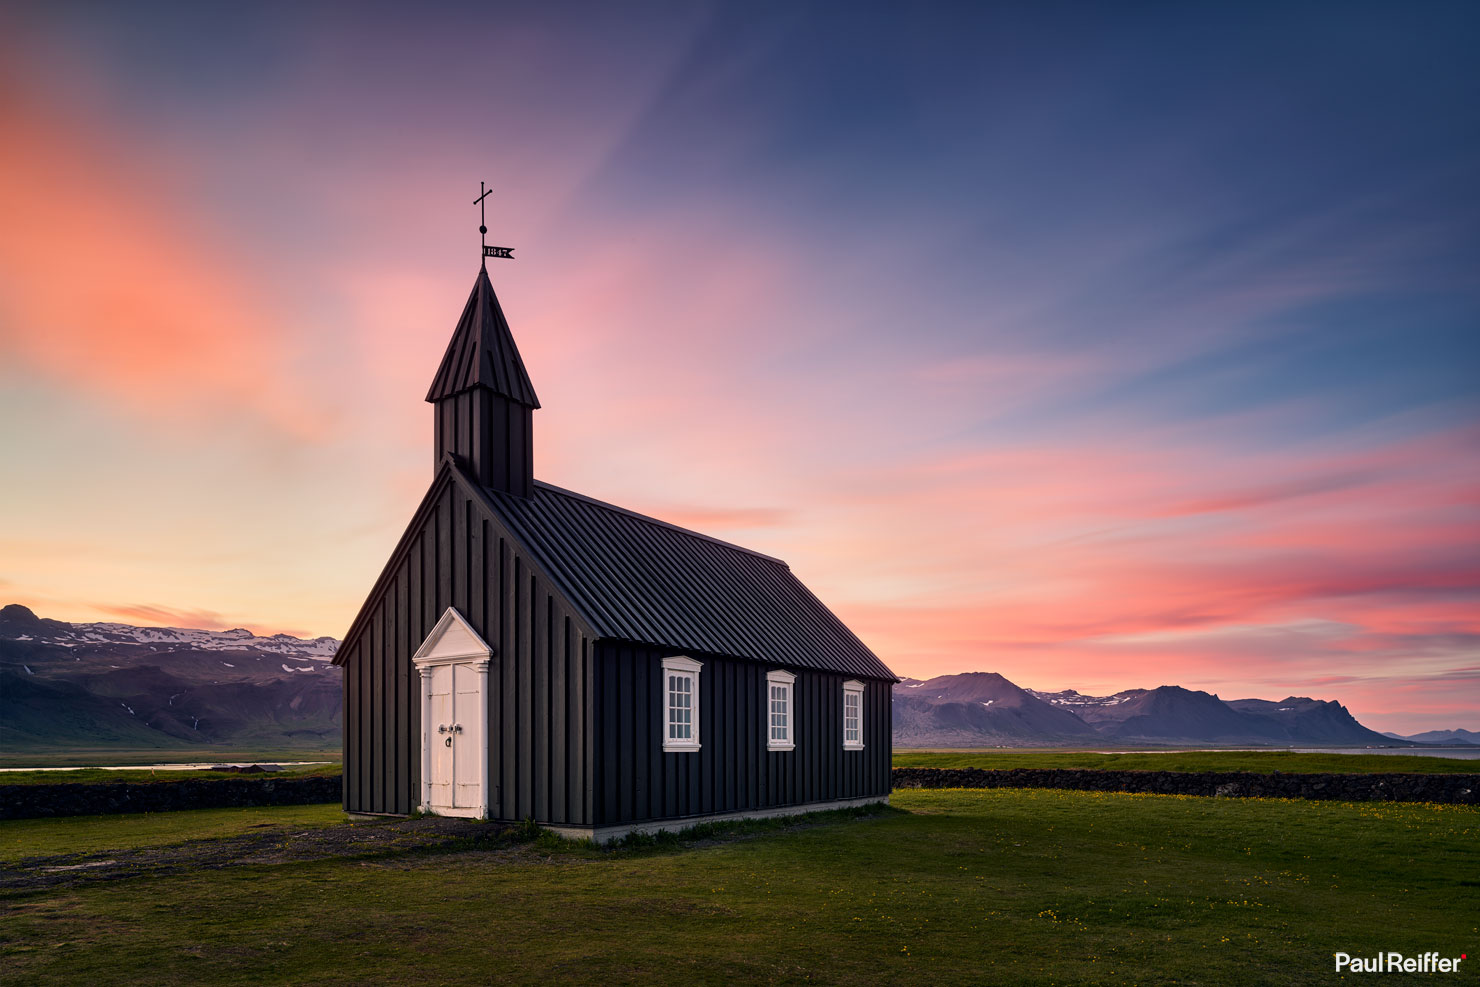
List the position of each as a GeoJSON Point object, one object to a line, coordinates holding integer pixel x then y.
{"type": "Point", "coordinates": [273, 846]}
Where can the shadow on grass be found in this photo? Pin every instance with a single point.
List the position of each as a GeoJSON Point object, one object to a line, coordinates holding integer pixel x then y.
{"type": "Point", "coordinates": [417, 837]}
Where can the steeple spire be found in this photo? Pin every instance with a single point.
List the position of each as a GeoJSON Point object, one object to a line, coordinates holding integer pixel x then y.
{"type": "Point", "coordinates": [483, 396]}
{"type": "Point", "coordinates": [482, 352]}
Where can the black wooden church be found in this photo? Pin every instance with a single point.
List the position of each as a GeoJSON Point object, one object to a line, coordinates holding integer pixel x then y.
{"type": "Point", "coordinates": [529, 652]}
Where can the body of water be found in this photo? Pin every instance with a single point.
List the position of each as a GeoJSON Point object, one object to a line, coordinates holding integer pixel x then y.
{"type": "Point", "coordinates": [1463, 753]}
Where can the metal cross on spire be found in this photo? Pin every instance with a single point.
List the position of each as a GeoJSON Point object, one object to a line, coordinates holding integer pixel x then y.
{"type": "Point", "coordinates": [505, 252]}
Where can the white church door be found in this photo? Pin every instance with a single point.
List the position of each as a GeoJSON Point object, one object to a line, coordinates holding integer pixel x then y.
{"type": "Point", "coordinates": [453, 662]}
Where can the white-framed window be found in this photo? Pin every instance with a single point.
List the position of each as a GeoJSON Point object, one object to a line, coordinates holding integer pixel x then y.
{"type": "Point", "coordinates": [852, 716]}
{"type": "Point", "coordinates": [681, 704]}
{"type": "Point", "coordinates": [780, 712]}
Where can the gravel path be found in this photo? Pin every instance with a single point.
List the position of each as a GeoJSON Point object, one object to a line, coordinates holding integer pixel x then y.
{"type": "Point", "coordinates": [274, 845]}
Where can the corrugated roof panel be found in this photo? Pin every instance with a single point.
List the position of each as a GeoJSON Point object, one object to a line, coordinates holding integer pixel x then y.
{"type": "Point", "coordinates": [644, 580]}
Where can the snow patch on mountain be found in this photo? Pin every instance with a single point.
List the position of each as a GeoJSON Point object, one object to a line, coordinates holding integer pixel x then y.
{"type": "Point", "coordinates": [1069, 697]}
{"type": "Point", "coordinates": [171, 638]}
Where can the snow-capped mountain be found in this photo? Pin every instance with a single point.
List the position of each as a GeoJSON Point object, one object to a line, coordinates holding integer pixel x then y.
{"type": "Point", "coordinates": [938, 713]}
{"type": "Point", "coordinates": [19, 624]}
{"type": "Point", "coordinates": [976, 709]}
{"type": "Point", "coordinates": [110, 685]}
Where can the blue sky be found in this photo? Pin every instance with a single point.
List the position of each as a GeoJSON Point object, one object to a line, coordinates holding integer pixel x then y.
{"type": "Point", "coordinates": [1029, 334]}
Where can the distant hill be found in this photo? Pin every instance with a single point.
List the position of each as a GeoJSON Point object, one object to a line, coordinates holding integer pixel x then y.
{"type": "Point", "coordinates": [65, 686]}
{"type": "Point", "coordinates": [1311, 721]}
{"type": "Point", "coordinates": [976, 709]}
{"type": "Point", "coordinates": [1170, 712]}
{"type": "Point", "coordinates": [982, 709]}
{"type": "Point", "coordinates": [1450, 737]}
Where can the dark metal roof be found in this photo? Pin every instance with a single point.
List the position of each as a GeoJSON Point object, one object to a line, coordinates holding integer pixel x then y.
{"type": "Point", "coordinates": [639, 579]}
{"type": "Point", "coordinates": [482, 352]}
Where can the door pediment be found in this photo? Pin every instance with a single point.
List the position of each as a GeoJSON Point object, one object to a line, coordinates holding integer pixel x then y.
{"type": "Point", "coordinates": [452, 640]}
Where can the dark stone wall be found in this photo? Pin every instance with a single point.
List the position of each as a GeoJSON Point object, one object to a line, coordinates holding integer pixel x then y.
{"type": "Point", "coordinates": [1459, 789]}
{"type": "Point", "coordinates": [39, 801]}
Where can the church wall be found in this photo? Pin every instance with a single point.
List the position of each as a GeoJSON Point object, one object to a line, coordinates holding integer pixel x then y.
{"type": "Point", "coordinates": [637, 780]}
{"type": "Point", "coordinates": [540, 737]}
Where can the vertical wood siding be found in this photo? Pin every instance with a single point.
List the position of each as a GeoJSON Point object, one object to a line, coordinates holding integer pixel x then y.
{"type": "Point", "coordinates": [540, 727]}
{"type": "Point", "coordinates": [732, 771]}
{"type": "Point", "coordinates": [491, 434]}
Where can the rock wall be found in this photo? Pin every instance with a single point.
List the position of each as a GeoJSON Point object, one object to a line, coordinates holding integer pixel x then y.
{"type": "Point", "coordinates": [38, 801]}
{"type": "Point", "coordinates": [1460, 789]}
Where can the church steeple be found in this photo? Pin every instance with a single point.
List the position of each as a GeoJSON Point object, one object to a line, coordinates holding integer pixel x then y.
{"type": "Point", "coordinates": [483, 398]}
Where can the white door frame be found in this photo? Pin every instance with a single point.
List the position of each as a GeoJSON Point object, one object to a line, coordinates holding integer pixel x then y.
{"type": "Point", "coordinates": [453, 642]}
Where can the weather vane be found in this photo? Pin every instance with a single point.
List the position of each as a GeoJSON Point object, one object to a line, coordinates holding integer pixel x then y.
{"type": "Point", "coordinates": [505, 252]}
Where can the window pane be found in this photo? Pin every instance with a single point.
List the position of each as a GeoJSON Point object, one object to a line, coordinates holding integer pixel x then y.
{"type": "Point", "coordinates": [778, 712]}
{"type": "Point", "coordinates": [680, 706]}
{"type": "Point", "coordinates": [852, 706]}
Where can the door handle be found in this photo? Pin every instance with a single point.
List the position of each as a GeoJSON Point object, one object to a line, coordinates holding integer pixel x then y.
{"type": "Point", "coordinates": [449, 741]}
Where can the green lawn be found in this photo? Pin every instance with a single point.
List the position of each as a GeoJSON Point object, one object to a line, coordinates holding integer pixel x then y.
{"type": "Point", "coordinates": [1265, 762]}
{"type": "Point", "coordinates": [20, 838]}
{"type": "Point", "coordinates": [997, 886]}
{"type": "Point", "coordinates": [102, 776]}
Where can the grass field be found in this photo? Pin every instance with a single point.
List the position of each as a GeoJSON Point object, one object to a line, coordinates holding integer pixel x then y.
{"type": "Point", "coordinates": [103, 776]}
{"type": "Point", "coordinates": [21, 838]}
{"type": "Point", "coordinates": [1264, 762]}
{"type": "Point", "coordinates": [997, 886]}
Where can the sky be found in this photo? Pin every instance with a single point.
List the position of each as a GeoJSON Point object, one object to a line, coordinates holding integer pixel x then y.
{"type": "Point", "coordinates": [1103, 346]}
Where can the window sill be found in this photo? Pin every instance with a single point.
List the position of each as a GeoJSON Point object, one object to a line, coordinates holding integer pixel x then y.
{"type": "Point", "coordinates": [680, 749]}
{"type": "Point", "coordinates": [852, 747]}
{"type": "Point", "coordinates": [781, 747]}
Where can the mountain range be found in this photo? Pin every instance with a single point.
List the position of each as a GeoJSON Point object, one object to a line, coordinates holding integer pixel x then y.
{"type": "Point", "coordinates": [979, 709]}
{"type": "Point", "coordinates": [1450, 738]}
{"type": "Point", "coordinates": [66, 686]}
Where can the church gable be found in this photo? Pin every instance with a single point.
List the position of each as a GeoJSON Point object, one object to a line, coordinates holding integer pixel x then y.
{"type": "Point", "coordinates": [458, 554]}
{"type": "Point", "coordinates": [449, 554]}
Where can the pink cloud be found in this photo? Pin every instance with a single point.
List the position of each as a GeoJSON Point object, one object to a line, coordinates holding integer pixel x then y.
{"type": "Point", "coordinates": [107, 285]}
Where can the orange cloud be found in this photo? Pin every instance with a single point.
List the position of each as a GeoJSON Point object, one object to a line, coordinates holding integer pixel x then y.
{"type": "Point", "coordinates": [110, 285]}
{"type": "Point", "coordinates": [157, 616]}
{"type": "Point", "coordinates": [153, 615]}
